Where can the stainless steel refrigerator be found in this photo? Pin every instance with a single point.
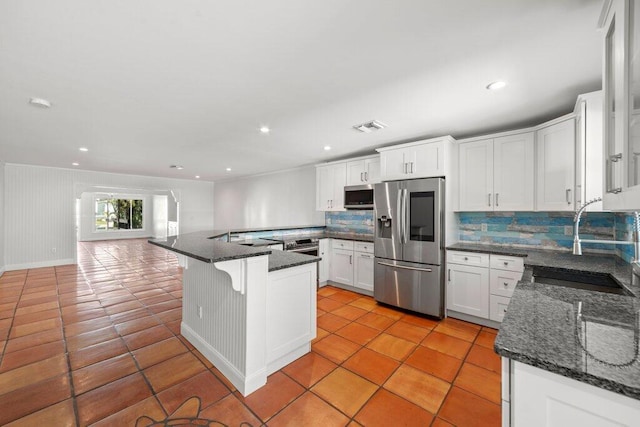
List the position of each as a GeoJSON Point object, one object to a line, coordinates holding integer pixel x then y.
{"type": "Point", "coordinates": [408, 245]}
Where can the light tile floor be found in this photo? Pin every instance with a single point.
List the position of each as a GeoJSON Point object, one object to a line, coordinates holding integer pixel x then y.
{"type": "Point", "coordinates": [99, 343]}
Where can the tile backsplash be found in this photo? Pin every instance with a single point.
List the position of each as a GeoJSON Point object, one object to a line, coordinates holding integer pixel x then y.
{"type": "Point", "coordinates": [352, 221]}
{"type": "Point", "coordinates": [548, 230]}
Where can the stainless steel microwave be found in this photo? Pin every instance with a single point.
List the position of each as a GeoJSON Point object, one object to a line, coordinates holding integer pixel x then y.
{"type": "Point", "coordinates": [358, 196]}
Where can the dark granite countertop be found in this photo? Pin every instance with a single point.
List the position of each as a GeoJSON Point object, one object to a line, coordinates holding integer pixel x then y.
{"type": "Point", "coordinates": [279, 260]}
{"type": "Point", "coordinates": [319, 232]}
{"type": "Point", "coordinates": [589, 336]}
{"type": "Point", "coordinates": [594, 262]}
{"type": "Point", "coordinates": [585, 335]}
{"type": "Point", "coordinates": [200, 245]}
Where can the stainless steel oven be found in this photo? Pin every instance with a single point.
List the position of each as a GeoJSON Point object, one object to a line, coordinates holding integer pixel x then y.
{"type": "Point", "coordinates": [307, 246]}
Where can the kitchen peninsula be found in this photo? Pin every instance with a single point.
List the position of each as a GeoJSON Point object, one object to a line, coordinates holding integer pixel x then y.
{"type": "Point", "coordinates": [249, 310]}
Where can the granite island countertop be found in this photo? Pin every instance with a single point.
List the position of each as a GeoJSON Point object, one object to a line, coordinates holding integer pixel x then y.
{"type": "Point", "coordinates": [202, 246]}
{"type": "Point", "coordinates": [588, 336]}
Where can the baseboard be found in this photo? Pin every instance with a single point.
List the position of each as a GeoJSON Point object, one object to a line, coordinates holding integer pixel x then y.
{"type": "Point", "coordinates": [245, 384]}
{"type": "Point", "coordinates": [473, 319]}
{"type": "Point", "coordinates": [349, 288]}
{"type": "Point", "coordinates": [115, 237]}
{"type": "Point", "coordinates": [2, 270]}
{"type": "Point", "coordinates": [41, 264]}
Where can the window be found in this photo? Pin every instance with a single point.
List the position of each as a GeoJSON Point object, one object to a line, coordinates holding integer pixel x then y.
{"type": "Point", "coordinates": [118, 214]}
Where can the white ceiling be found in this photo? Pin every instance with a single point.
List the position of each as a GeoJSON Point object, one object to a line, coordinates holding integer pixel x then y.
{"type": "Point", "coordinates": [149, 83]}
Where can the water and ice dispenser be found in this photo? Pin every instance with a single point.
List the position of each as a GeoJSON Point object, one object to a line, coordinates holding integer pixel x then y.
{"type": "Point", "coordinates": [384, 227]}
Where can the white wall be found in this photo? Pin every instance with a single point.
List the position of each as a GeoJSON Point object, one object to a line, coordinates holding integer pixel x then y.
{"type": "Point", "coordinates": [39, 220]}
{"type": "Point", "coordinates": [278, 199]}
{"type": "Point", "coordinates": [2, 223]}
{"type": "Point", "coordinates": [160, 216]}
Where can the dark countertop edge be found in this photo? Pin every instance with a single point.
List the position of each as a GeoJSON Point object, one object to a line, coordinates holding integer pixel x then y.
{"type": "Point", "coordinates": [488, 249]}
{"type": "Point", "coordinates": [294, 264]}
{"type": "Point", "coordinates": [209, 260]}
{"type": "Point", "coordinates": [222, 232]}
{"type": "Point", "coordinates": [599, 382]}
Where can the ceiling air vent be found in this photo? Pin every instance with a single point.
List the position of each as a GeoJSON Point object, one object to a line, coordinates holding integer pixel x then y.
{"type": "Point", "coordinates": [370, 126]}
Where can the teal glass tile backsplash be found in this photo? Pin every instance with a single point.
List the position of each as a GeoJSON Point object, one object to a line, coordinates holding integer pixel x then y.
{"type": "Point", "coordinates": [352, 221]}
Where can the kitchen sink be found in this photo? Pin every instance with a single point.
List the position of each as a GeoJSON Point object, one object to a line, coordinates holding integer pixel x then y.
{"type": "Point", "coordinates": [587, 280]}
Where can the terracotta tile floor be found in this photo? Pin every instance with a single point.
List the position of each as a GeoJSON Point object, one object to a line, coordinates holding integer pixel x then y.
{"type": "Point", "coordinates": [98, 343]}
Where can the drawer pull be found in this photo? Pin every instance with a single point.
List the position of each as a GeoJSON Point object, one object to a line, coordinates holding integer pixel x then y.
{"type": "Point", "coordinates": [505, 284]}
{"type": "Point", "coordinates": [506, 263]}
{"type": "Point", "coordinates": [504, 310]}
{"type": "Point", "coordinates": [466, 258]}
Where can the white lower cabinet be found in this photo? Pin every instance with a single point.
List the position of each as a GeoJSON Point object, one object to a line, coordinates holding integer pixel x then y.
{"type": "Point", "coordinates": [323, 266]}
{"type": "Point", "coordinates": [363, 267]}
{"type": "Point", "coordinates": [541, 398]}
{"type": "Point", "coordinates": [352, 264]}
{"type": "Point", "coordinates": [341, 266]}
{"type": "Point", "coordinates": [468, 290]}
{"type": "Point", "coordinates": [480, 284]}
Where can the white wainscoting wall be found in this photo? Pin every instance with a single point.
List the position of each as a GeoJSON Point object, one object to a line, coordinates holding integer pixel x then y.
{"type": "Point", "coordinates": [39, 221]}
{"type": "Point", "coordinates": [2, 224]}
{"type": "Point", "coordinates": [279, 199]}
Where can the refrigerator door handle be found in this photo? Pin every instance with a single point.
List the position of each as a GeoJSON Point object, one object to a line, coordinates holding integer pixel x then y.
{"type": "Point", "coordinates": [399, 214]}
{"type": "Point", "coordinates": [405, 216]}
{"type": "Point", "coordinates": [428, 270]}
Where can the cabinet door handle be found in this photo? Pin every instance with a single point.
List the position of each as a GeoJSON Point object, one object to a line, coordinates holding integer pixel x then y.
{"type": "Point", "coordinates": [449, 275]}
{"type": "Point", "coordinates": [489, 199]}
{"type": "Point", "coordinates": [497, 194]}
{"type": "Point", "coordinates": [568, 194]}
{"type": "Point", "coordinates": [366, 176]}
{"type": "Point", "coordinates": [610, 175]}
{"type": "Point", "coordinates": [361, 179]}
{"type": "Point", "coordinates": [405, 167]}
{"type": "Point", "coordinates": [350, 259]}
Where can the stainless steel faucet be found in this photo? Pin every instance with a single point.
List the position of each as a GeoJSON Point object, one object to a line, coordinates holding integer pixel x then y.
{"type": "Point", "coordinates": [577, 241]}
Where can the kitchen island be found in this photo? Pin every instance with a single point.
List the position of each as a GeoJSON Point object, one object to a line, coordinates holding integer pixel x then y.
{"type": "Point", "coordinates": [249, 310]}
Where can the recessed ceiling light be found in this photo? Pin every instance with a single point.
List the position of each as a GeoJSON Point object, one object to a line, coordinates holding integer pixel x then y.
{"type": "Point", "coordinates": [75, 164]}
{"type": "Point", "coordinates": [228, 169]}
{"type": "Point", "coordinates": [176, 167]}
{"type": "Point", "coordinates": [83, 149]}
{"type": "Point", "coordinates": [40, 102]}
{"type": "Point", "coordinates": [265, 129]}
{"type": "Point", "coordinates": [499, 84]}
{"type": "Point", "coordinates": [327, 148]}
{"type": "Point", "coordinates": [197, 176]}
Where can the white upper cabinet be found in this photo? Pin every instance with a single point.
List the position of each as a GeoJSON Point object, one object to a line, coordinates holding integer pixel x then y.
{"type": "Point", "coordinates": [620, 21]}
{"type": "Point", "coordinates": [555, 173]}
{"type": "Point", "coordinates": [330, 182]}
{"type": "Point", "coordinates": [476, 176]}
{"type": "Point", "coordinates": [363, 171]}
{"type": "Point", "coordinates": [497, 173]}
{"type": "Point", "coordinates": [420, 159]}
{"type": "Point", "coordinates": [589, 149]}
{"type": "Point", "coordinates": [513, 172]}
